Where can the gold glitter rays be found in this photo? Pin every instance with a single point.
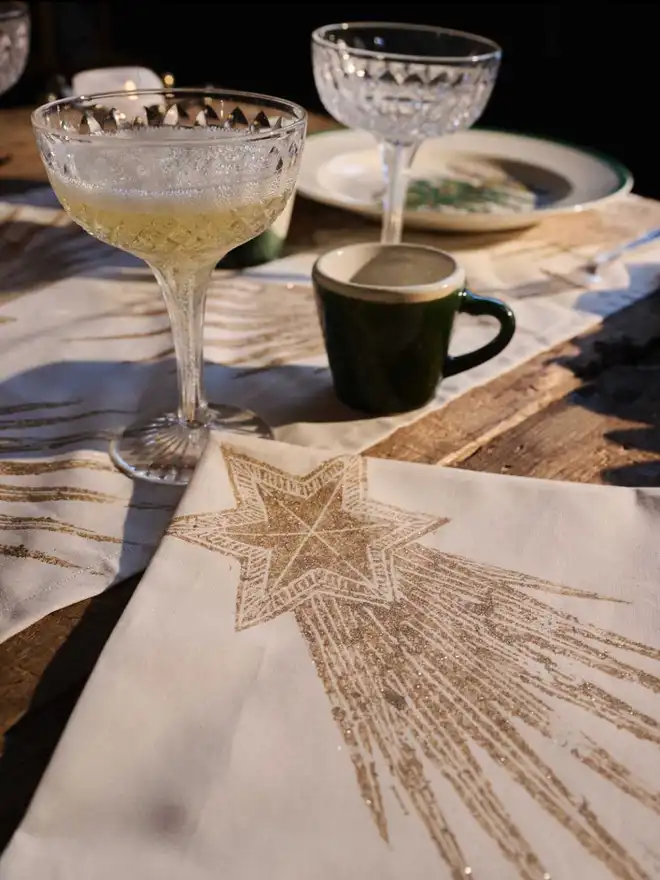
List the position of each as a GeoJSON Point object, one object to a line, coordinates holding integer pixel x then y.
{"type": "Point", "coordinates": [429, 659]}
{"type": "Point", "coordinates": [42, 427]}
{"type": "Point", "coordinates": [255, 324]}
{"type": "Point", "coordinates": [23, 524]}
{"type": "Point", "coordinates": [48, 524]}
{"type": "Point", "coordinates": [38, 494]}
{"type": "Point", "coordinates": [29, 468]}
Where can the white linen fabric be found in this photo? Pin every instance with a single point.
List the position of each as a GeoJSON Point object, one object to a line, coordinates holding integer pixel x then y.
{"type": "Point", "coordinates": [346, 668]}
{"type": "Point", "coordinates": [85, 346]}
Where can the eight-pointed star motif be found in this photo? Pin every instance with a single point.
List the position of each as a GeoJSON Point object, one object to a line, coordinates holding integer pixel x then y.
{"type": "Point", "coordinates": [297, 536]}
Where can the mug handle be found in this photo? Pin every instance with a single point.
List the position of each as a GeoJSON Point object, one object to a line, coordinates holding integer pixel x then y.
{"type": "Point", "coordinates": [471, 304]}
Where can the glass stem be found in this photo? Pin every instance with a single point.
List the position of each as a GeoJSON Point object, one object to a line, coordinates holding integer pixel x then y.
{"type": "Point", "coordinates": [397, 159]}
{"type": "Point", "coordinates": [184, 289]}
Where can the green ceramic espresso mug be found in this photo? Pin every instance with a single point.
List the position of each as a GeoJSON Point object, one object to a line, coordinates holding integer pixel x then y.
{"type": "Point", "coordinates": [387, 314]}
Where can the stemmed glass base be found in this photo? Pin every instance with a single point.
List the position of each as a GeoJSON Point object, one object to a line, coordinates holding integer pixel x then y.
{"type": "Point", "coordinates": [166, 449]}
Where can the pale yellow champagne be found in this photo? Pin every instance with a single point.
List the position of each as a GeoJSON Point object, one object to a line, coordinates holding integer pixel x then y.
{"type": "Point", "coordinates": [170, 230]}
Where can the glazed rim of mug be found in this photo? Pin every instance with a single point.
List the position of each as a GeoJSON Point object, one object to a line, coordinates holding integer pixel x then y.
{"type": "Point", "coordinates": [449, 279]}
{"type": "Point", "coordinates": [490, 48]}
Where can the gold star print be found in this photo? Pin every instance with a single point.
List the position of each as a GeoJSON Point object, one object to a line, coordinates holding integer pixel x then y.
{"type": "Point", "coordinates": [430, 660]}
{"type": "Point", "coordinates": [301, 536]}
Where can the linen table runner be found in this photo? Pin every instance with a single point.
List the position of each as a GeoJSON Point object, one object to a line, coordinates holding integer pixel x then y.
{"type": "Point", "coordinates": [85, 346]}
{"type": "Point", "coordinates": [347, 668]}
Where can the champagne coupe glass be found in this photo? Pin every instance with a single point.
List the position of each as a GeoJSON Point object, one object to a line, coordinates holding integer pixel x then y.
{"type": "Point", "coordinates": [14, 46]}
{"type": "Point", "coordinates": [403, 83]}
{"type": "Point", "coordinates": [177, 177]}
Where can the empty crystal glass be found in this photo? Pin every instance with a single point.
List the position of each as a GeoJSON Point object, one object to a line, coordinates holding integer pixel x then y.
{"type": "Point", "coordinates": [14, 43]}
{"type": "Point", "coordinates": [14, 46]}
{"type": "Point", "coordinates": [403, 83]}
{"type": "Point", "coordinates": [178, 177]}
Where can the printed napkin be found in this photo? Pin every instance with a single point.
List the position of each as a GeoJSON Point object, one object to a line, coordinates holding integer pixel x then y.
{"type": "Point", "coordinates": [85, 347]}
{"type": "Point", "coordinates": [341, 668]}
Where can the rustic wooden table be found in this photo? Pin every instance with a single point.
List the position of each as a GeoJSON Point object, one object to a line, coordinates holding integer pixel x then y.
{"type": "Point", "coordinates": [587, 411]}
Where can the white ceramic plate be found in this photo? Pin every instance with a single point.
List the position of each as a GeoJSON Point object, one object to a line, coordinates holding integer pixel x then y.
{"type": "Point", "coordinates": [474, 180]}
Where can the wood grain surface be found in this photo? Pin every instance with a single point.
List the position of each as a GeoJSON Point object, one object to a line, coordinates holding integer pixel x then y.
{"type": "Point", "coordinates": [587, 411]}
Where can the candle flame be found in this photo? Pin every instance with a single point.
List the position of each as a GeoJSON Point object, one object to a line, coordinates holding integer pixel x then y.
{"type": "Point", "coordinates": [130, 86]}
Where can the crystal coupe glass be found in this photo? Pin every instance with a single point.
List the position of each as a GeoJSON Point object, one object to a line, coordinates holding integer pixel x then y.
{"type": "Point", "coordinates": [177, 177]}
{"type": "Point", "coordinates": [403, 83]}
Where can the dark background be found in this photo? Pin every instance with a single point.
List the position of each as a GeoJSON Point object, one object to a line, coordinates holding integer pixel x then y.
{"type": "Point", "coordinates": [587, 73]}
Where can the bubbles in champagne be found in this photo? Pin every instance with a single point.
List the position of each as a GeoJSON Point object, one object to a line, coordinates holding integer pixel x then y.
{"type": "Point", "coordinates": [208, 162]}
{"type": "Point", "coordinates": [171, 195]}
